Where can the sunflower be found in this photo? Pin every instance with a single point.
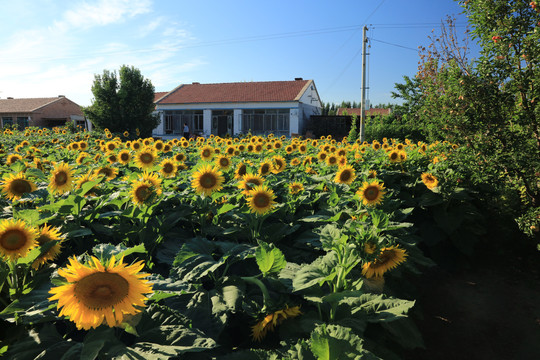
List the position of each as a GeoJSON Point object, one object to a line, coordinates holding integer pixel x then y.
{"type": "Point", "coordinates": [249, 181]}
{"type": "Point", "coordinates": [265, 168]}
{"type": "Point", "coordinates": [180, 157]}
{"type": "Point", "coordinates": [207, 152]}
{"type": "Point", "coordinates": [82, 157]}
{"type": "Point", "coordinates": [145, 158]}
{"type": "Point", "coordinates": [98, 294]}
{"type": "Point", "coordinates": [47, 234]}
{"type": "Point", "coordinates": [16, 185]}
{"type": "Point", "coordinates": [241, 170]}
{"type": "Point", "coordinates": [108, 171]}
{"type": "Point", "coordinates": [371, 193]}
{"type": "Point", "coordinates": [332, 160]}
{"type": "Point", "coordinates": [13, 158]}
{"type": "Point", "coordinates": [16, 239]}
{"type": "Point", "coordinates": [124, 157]}
{"type": "Point", "coordinates": [295, 187]}
{"type": "Point", "coordinates": [389, 258]}
{"type": "Point", "coordinates": [270, 321]}
{"type": "Point", "coordinates": [90, 176]}
{"type": "Point", "coordinates": [168, 168]}
{"type": "Point", "coordinates": [142, 191]}
{"type": "Point", "coordinates": [223, 162]}
{"type": "Point", "coordinates": [126, 133]}
{"type": "Point", "coordinates": [279, 164]}
{"type": "Point", "coordinates": [261, 199]}
{"type": "Point", "coordinates": [61, 179]}
{"type": "Point", "coordinates": [322, 155]}
{"type": "Point", "coordinates": [112, 158]}
{"type": "Point", "coordinates": [153, 179]}
{"type": "Point", "coordinates": [158, 145]}
{"type": "Point", "coordinates": [429, 180]}
{"type": "Point", "coordinates": [345, 175]}
{"type": "Point", "coordinates": [207, 179]}
{"type": "Point", "coordinates": [136, 146]}
{"type": "Point", "coordinates": [394, 156]}
{"type": "Point", "coordinates": [110, 146]}
{"type": "Point", "coordinates": [278, 144]}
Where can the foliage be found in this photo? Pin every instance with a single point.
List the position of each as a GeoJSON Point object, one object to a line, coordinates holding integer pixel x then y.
{"type": "Point", "coordinates": [490, 105]}
{"type": "Point", "coordinates": [123, 103]}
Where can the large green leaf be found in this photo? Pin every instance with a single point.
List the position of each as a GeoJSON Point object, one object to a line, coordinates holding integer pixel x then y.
{"type": "Point", "coordinates": [269, 258]}
{"type": "Point", "coordinates": [334, 342]}
{"type": "Point", "coordinates": [316, 273]}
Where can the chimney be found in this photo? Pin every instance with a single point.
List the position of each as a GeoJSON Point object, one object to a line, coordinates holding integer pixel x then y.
{"type": "Point", "coordinates": [298, 79]}
{"type": "Point", "coordinates": [61, 95]}
{"type": "Point", "coordinates": [196, 83]}
{"type": "Point", "coordinates": [9, 97]}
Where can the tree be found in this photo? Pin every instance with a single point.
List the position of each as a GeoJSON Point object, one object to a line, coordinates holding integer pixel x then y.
{"type": "Point", "coordinates": [489, 106]}
{"type": "Point", "coordinates": [124, 103]}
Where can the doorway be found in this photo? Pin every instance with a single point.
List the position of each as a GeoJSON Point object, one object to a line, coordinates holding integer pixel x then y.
{"type": "Point", "coordinates": [222, 122]}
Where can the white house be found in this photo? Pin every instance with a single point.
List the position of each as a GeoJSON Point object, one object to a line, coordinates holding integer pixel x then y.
{"type": "Point", "coordinates": [278, 107]}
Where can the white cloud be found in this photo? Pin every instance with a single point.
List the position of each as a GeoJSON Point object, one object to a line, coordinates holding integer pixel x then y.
{"type": "Point", "coordinates": [104, 12]}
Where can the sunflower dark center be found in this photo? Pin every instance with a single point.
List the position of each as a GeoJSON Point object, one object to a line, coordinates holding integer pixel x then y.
{"type": "Point", "coordinates": [224, 162]}
{"type": "Point", "coordinates": [20, 186]}
{"type": "Point", "coordinates": [124, 157]}
{"type": "Point", "coordinates": [105, 171]}
{"type": "Point", "coordinates": [168, 168]}
{"type": "Point", "coordinates": [13, 239]}
{"type": "Point", "coordinates": [143, 192]}
{"type": "Point", "coordinates": [206, 153]}
{"type": "Point", "coordinates": [146, 158]}
{"type": "Point", "coordinates": [345, 175]}
{"type": "Point", "coordinates": [101, 290]}
{"type": "Point", "coordinates": [208, 181]}
{"type": "Point", "coordinates": [60, 178]}
{"type": "Point", "coordinates": [265, 168]}
{"type": "Point", "coordinates": [261, 200]}
{"type": "Point", "coordinates": [371, 193]}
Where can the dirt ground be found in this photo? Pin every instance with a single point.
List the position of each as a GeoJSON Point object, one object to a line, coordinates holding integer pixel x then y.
{"type": "Point", "coordinates": [491, 311]}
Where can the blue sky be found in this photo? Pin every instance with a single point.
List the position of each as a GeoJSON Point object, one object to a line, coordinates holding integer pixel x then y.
{"type": "Point", "coordinates": [53, 47]}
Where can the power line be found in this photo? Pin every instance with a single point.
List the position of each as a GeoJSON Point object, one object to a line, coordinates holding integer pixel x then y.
{"type": "Point", "coordinates": [397, 45]}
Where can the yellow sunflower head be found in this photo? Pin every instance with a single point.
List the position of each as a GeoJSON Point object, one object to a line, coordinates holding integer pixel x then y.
{"type": "Point", "coordinates": [207, 152]}
{"type": "Point", "coordinates": [16, 185]}
{"type": "Point", "coordinates": [388, 258]}
{"type": "Point", "coordinates": [249, 181]}
{"type": "Point", "coordinates": [223, 162]}
{"type": "Point", "coordinates": [107, 171]}
{"type": "Point", "coordinates": [151, 178]}
{"type": "Point", "coordinates": [241, 170]}
{"type": "Point", "coordinates": [345, 175]}
{"type": "Point", "coordinates": [124, 156]}
{"type": "Point", "coordinates": [13, 158]}
{"type": "Point", "coordinates": [207, 179]}
{"type": "Point", "coordinates": [16, 239]}
{"type": "Point", "coordinates": [295, 187]}
{"type": "Point", "coordinates": [371, 193]}
{"type": "Point", "coordinates": [430, 180]}
{"type": "Point", "coordinates": [97, 293]}
{"type": "Point", "coordinates": [168, 168]}
{"type": "Point", "coordinates": [265, 168]}
{"type": "Point", "coordinates": [145, 158]}
{"type": "Point", "coordinates": [61, 179]}
{"type": "Point", "coordinates": [279, 164]}
{"type": "Point", "coordinates": [261, 199]}
{"type": "Point", "coordinates": [45, 235]}
{"type": "Point", "coordinates": [143, 192]}
{"type": "Point", "coordinates": [180, 157]}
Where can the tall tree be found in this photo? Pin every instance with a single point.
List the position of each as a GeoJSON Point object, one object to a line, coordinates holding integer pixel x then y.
{"type": "Point", "coordinates": [123, 103]}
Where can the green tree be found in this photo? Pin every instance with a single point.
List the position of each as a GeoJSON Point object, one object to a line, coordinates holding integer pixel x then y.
{"type": "Point", "coordinates": [489, 106]}
{"type": "Point", "coordinates": [123, 103]}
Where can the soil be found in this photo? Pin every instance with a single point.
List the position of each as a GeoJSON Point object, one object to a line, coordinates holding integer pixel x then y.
{"type": "Point", "coordinates": [490, 311]}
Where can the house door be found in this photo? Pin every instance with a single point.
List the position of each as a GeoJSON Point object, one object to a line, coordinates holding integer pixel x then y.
{"type": "Point", "coordinates": [222, 123]}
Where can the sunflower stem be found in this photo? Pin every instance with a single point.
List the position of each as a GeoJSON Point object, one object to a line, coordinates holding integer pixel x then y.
{"type": "Point", "coordinates": [264, 290]}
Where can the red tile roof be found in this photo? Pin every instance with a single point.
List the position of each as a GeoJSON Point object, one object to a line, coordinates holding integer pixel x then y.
{"type": "Point", "coordinates": [369, 112]}
{"type": "Point", "coordinates": [25, 105]}
{"type": "Point", "coordinates": [263, 91]}
{"type": "Point", "coordinates": [159, 94]}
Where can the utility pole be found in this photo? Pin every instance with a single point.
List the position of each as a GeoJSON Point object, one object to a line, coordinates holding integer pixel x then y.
{"type": "Point", "coordinates": [363, 98]}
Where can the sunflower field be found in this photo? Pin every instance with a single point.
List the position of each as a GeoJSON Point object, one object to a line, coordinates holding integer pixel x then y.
{"type": "Point", "coordinates": [248, 248]}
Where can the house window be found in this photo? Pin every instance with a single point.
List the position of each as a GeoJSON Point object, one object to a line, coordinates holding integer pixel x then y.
{"type": "Point", "coordinates": [22, 122]}
{"type": "Point", "coordinates": [7, 121]}
{"type": "Point", "coordinates": [266, 121]}
{"type": "Point", "coordinates": [174, 121]}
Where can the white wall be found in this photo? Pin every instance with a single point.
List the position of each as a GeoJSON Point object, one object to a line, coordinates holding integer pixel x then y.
{"type": "Point", "coordinates": [237, 121]}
